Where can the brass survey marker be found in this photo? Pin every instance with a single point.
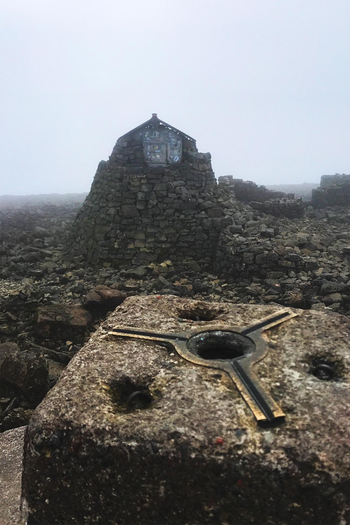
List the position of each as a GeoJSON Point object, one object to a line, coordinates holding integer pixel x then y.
{"type": "Point", "coordinates": [232, 349]}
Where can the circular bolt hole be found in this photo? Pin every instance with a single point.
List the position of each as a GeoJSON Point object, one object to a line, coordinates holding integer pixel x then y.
{"type": "Point", "coordinates": [138, 399]}
{"type": "Point", "coordinates": [323, 371]}
{"type": "Point", "coordinates": [220, 345]}
{"type": "Point", "coordinates": [128, 396]}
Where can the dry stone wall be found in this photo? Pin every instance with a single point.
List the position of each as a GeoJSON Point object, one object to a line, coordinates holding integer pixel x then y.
{"type": "Point", "coordinates": [260, 198]}
{"type": "Point", "coordinates": [247, 191]}
{"type": "Point", "coordinates": [331, 181]}
{"type": "Point", "coordinates": [334, 190]}
{"type": "Point", "coordinates": [291, 208]}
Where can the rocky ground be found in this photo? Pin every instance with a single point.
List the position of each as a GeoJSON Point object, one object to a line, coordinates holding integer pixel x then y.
{"type": "Point", "coordinates": [50, 306]}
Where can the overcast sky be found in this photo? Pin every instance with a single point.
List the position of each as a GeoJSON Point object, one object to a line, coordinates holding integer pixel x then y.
{"type": "Point", "coordinates": [263, 85]}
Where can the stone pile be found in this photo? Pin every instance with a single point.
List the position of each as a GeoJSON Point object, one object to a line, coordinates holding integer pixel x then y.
{"type": "Point", "coordinates": [32, 239]}
{"type": "Point", "coordinates": [300, 191]}
{"type": "Point", "coordinates": [337, 180]}
{"type": "Point", "coordinates": [290, 263]}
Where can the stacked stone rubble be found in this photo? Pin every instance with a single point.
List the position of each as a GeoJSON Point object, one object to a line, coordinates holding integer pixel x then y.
{"type": "Point", "coordinates": [262, 256]}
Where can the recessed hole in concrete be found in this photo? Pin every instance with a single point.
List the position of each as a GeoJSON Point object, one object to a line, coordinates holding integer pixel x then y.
{"type": "Point", "coordinates": [128, 396]}
{"type": "Point", "coordinates": [327, 368]}
{"type": "Point", "coordinates": [220, 345]}
{"type": "Point", "coordinates": [324, 371]}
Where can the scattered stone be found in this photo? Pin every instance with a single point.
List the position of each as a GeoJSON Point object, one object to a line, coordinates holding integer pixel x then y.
{"type": "Point", "coordinates": [28, 372]}
{"type": "Point", "coordinates": [293, 299]}
{"type": "Point", "coordinates": [330, 287]}
{"type": "Point", "coordinates": [162, 283]}
{"type": "Point", "coordinates": [103, 297]}
{"type": "Point", "coordinates": [7, 349]}
{"type": "Point", "coordinates": [41, 232]}
{"type": "Point", "coordinates": [55, 370]}
{"type": "Point", "coordinates": [332, 298]}
{"type": "Point", "coordinates": [63, 322]}
{"type": "Point", "coordinates": [137, 273]}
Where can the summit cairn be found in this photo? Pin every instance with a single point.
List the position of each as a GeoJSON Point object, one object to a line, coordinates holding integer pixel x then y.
{"type": "Point", "coordinates": [155, 198]}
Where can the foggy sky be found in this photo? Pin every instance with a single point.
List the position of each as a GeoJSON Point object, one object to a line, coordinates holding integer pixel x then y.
{"type": "Point", "coordinates": [263, 85]}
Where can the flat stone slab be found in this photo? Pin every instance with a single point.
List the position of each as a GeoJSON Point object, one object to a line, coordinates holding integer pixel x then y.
{"type": "Point", "coordinates": [134, 434]}
{"type": "Point", "coordinates": [11, 455]}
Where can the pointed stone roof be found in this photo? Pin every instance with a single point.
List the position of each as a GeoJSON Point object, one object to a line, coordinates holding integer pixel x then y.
{"type": "Point", "coordinates": [155, 122]}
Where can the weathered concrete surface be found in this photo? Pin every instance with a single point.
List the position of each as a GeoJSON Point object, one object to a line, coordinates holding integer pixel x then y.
{"type": "Point", "coordinates": [11, 454]}
{"type": "Point", "coordinates": [188, 450]}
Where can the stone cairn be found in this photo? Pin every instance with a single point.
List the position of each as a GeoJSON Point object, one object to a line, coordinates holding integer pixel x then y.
{"type": "Point", "coordinates": [155, 198]}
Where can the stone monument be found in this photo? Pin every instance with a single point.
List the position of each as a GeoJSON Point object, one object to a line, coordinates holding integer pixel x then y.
{"type": "Point", "coordinates": [155, 198]}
